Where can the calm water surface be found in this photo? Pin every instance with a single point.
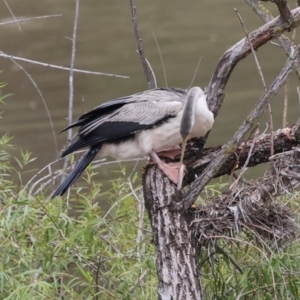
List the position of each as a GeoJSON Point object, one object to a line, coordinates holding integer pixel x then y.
{"type": "Point", "coordinates": [184, 31]}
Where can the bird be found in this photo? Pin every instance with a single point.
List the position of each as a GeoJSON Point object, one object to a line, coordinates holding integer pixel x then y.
{"type": "Point", "coordinates": [187, 125]}
{"type": "Point", "coordinates": [150, 123]}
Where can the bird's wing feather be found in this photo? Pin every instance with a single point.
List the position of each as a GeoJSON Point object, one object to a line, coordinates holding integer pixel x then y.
{"type": "Point", "coordinates": [108, 108]}
{"type": "Point", "coordinates": [141, 116]}
{"type": "Point", "coordinates": [82, 143]}
{"type": "Point", "coordinates": [120, 119]}
{"type": "Point", "coordinates": [159, 94]}
{"type": "Point", "coordinates": [143, 111]}
{"type": "Point", "coordinates": [77, 171]}
{"type": "Point", "coordinates": [131, 119]}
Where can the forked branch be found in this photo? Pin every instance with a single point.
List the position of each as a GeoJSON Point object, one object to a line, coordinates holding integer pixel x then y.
{"type": "Point", "coordinates": [147, 69]}
{"type": "Point", "coordinates": [284, 140]}
{"type": "Point", "coordinates": [216, 95]}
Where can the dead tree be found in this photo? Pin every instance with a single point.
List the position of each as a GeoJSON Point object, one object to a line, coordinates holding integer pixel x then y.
{"type": "Point", "coordinates": [180, 231]}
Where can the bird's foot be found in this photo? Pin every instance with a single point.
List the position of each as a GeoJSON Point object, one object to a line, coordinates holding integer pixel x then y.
{"type": "Point", "coordinates": [175, 171]}
{"type": "Point", "coordinates": [171, 170]}
{"type": "Point", "coordinates": [170, 152]}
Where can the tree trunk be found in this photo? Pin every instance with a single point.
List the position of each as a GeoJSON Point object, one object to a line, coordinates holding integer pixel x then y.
{"type": "Point", "coordinates": [177, 250]}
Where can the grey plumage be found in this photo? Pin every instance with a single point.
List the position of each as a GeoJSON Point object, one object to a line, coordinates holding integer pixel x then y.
{"type": "Point", "coordinates": [134, 126]}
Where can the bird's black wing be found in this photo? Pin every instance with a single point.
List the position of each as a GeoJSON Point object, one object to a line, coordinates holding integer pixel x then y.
{"type": "Point", "coordinates": [118, 120]}
{"type": "Point", "coordinates": [106, 132]}
{"type": "Point", "coordinates": [109, 107]}
{"type": "Point", "coordinates": [77, 171]}
{"type": "Point", "coordinates": [134, 114]}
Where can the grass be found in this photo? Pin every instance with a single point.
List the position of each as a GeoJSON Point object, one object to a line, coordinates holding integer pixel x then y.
{"type": "Point", "coordinates": [54, 249]}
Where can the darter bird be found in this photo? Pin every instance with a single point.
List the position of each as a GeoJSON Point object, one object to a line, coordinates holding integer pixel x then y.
{"type": "Point", "coordinates": [138, 125]}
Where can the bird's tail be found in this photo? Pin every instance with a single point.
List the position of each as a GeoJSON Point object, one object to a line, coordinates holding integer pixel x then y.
{"type": "Point", "coordinates": [77, 171]}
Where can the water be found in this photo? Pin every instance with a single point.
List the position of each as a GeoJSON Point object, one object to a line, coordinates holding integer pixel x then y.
{"type": "Point", "coordinates": [182, 31]}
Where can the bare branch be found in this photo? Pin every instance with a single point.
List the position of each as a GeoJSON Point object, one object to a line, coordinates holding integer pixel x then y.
{"type": "Point", "coordinates": [266, 16]}
{"type": "Point", "coordinates": [30, 19]}
{"type": "Point", "coordinates": [71, 76]}
{"type": "Point", "coordinates": [243, 170]}
{"type": "Point", "coordinates": [2, 54]}
{"type": "Point", "coordinates": [178, 241]}
{"type": "Point", "coordinates": [283, 10]}
{"type": "Point", "coordinates": [161, 59]}
{"type": "Point", "coordinates": [285, 104]}
{"type": "Point", "coordinates": [215, 95]}
{"type": "Point", "coordinates": [43, 100]}
{"type": "Point", "coordinates": [147, 70]}
{"type": "Point", "coordinates": [284, 140]}
{"type": "Point", "coordinates": [296, 129]}
{"type": "Point", "coordinates": [13, 15]}
{"type": "Point", "coordinates": [227, 149]}
{"type": "Point", "coordinates": [273, 29]}
{"type": "Point", "coordinates": [71, 81]}
{"type": "Point", "coordinates": [261, 78]}
{"type": "Point", "coordinates": [195, 73]}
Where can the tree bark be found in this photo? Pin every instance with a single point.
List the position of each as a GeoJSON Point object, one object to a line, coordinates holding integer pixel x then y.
{"type": "Point", "coordinates": [169, 210]}
{"type": "Point", "coordinates": [258, 151]}
{"type": "Point", "coordinates": [177, 249]}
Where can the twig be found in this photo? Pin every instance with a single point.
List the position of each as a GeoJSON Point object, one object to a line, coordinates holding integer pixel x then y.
{"type": "Point", "coordinates": [266, 16]}
{"type": "Point", "coordinates": [285, 139]}
{"type": "Point", "coordinates": [161, 59]}
{"type": "Point", "coordinates": [2, 54]}
{"type": "Point", "coordinates": [141, 210]}
{"type": "Point", "coordinates": [243, 180]}
{"type": "Point", "coordinates": [271, 129]}
{"type": "Point", "coordinates": [242, 151]}
{"type": "Point", "coordinates": [71, 82]}
{"type": "Point", "coordinates": [195, 73]}
{"type": "Point", "coordinates": [37, 174]}
{"type": "Point", "coordinates": [262, 80]}
{"type": "Point", "coordinates": [138, 281]}
{"type": "Point", "coordinates": [283, 9]}
{"type": "Point", "coordinates": [273, 29]}
{"type": "Point", "coordinates": [147, 71]}
{"type": "Point", "coordinates": [285, 103]}
{"type": "Point", "coordinates": [286, 89]}
{"type": "Point", "coordinates": [43, 100]}
{"type": "Point", "coordinates": [97, 278]}
{"type": "Point", "coordinates": [196, 187]}
{"type": "Point", "coordinates": [11, 12]}
{"type": "Point", "coordinates": [252, 50]}
{"type": "Point", "coordinates": [215, 96]}
{"type": "Point", "coordinates": [30, 19]}
{"type": "Point", "coordinates": [219, 249]}
{"type": "Point", "coordinates": [246, 162]}
{"type": "Point", "coordinates": [117, 203]}
{"type": "Point", "coordinates": [71, 76]}
{"type": "Point", "coordinates": [153, 75]}
{"type": "Point", "coordinates": [296, 129]}
{"type": "Point", "coordinates": [141, 213]}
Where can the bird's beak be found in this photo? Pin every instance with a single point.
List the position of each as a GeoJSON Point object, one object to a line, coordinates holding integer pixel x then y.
{"type": "Point", "coordinates": [181, 170]}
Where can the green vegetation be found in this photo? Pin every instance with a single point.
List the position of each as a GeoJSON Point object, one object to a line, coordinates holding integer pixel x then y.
{"type": "Point", "coordinates": [51, 249]}
{"type": "Point", "coordinates": [265, 275]}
